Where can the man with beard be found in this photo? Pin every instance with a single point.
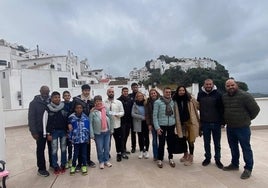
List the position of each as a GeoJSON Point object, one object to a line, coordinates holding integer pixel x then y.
{"type": "Point", "coordinates": [239, 109]}
{"type": "Point", "coordinates": [116, 110]}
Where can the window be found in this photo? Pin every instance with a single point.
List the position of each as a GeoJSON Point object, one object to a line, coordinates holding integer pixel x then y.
{"type": "Point", "coordinates": [58, 67]}
{"type": "Point", "coordinates": [63, 82]}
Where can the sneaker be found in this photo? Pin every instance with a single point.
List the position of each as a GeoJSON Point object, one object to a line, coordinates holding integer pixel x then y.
{"type": "Point", "coordinates": [127, 152]}
{"type": "Point", "coordinates": [246, 174]}
{"type": "Point", "coordinates": [91, 164]}
{"type": "Point", "coordinates": [57, 171]}
{"type": "Point", "coordinates": [68, 164]}
{"type": "Point", "coordinates": [101, 165]}
{"type": "Point", "coordinates": [78, 168]}
{"type": "Point", "coordinates": [84, 170]}
{"type": "Point", "coordinates": [124, 156]}
{"type": "Point", "coordinates": [230, 167]}
{"type": "Point", "coordinates": [108, 164]}
{"type": "Point", "coordinates": [206, 162]}
{"type": "Point", "coordinates": [62, 169]}
{"type": "Point", "coordinates": [184, 158]}
{"type": "Point", "coordinates": [133, 150]}
{"type": "Point", "coordinates": [72, 170]}
{"type": "Point", "coordinates": [146, 154]}
{"type": "Point", "coordinates": [159, 164]}
{"type": "Point", "coordinates": [172, 163]}
{"type": "Point", "coordinates": [43, 173]}
{"type": "Point", "coordinates": [141, 155]}
{"type": "Point", "coordinates": [219, 164]}
{"type": "Point", "coordinates": [118, 157]}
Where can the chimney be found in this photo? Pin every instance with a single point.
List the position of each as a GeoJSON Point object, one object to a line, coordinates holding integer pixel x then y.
{"type": "Point", "coordinates": [37, 50]}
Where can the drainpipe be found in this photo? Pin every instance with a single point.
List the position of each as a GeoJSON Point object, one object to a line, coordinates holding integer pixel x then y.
{"type": "Point", "coordinates": [2, 129]}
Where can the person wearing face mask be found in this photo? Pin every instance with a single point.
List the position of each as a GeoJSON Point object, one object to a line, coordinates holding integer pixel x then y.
{"type": "Point", "coordinates": [37, 108]}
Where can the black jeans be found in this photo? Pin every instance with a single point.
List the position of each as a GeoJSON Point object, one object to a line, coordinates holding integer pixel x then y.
{"type": "Point", "coordinates": [118, 139]}
{"type": "Point", "coordinates": [167, 134]}
{"type": "Point", "coordinates": [133, 138]}
{"type": "Point", "coordinates": [40, 151]}
{"type": "Point", "coordinates": [143, 137]}
{"type": "Point", "coordinates": [125, 128]}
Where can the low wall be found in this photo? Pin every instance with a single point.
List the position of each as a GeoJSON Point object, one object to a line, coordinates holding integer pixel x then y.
{"type": "Point", "coordinates": [18, 117]}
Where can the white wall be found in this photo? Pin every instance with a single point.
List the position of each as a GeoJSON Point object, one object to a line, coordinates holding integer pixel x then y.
{"type": "Point", "coordinates": [2, 130]}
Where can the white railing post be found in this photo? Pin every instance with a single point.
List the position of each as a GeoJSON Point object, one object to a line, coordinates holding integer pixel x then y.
{"type": "Point", "coordinates": [2, 129]}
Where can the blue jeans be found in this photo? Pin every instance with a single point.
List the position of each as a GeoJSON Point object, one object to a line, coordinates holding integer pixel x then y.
{"type": "Point", "coordinates": [102, 141]}
{"type": "Point", "coordinates": [80, 149]}
{"type": "Point", "coordinates": [58, 135]}
{"type": "Point", "coordinates": [242, 136]}
{"type": "Point", "coordinates": [213, 129]}
{"type": "Point", "coordinates": [155, 143]}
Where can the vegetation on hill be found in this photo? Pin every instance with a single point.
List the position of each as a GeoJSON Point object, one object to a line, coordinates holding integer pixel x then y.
{"type": "Point", "coordinates": [195, 75]}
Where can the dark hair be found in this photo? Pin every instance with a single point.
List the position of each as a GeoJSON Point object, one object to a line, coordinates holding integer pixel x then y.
{"type": "Point", "coordinates": [85, 86]}
{"type": "Point", "coordinates": [65, 92]}
{"type": "Point", "coordinates": [124, 88]}
{"type": "Point", "coordinates": [187, 94]}
{"type": "Point", "coordinates": [78, 104]}
{"type": "Point", "coordinates": [97, 97]}
{"type": "Point", "coordinates": [55, 93]}
{"type": "Point", "coordinates": [134, 84]}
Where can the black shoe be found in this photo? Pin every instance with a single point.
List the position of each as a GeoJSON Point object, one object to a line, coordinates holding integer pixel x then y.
{"type": "Point", "coordinates": [230, 167]}
{"type": "Point", "coordinates": [124, 156]}
{"type": "Point", "coordinates": [91, 164]}
{"type": "Point", "coordinates": [219, 164]}
{"type": "Point", "coordinates": [246, 174]}
{"type": "Point", "coordinates": [206, 162]}
{"type": "Point", "coordinates": [78, 168]}
{"type": "Point", "coordinates": [43, 173]}
{"type": "Point", "coordinates": [133, 150]}
{"type": "Point", "coordinates": [118, 157]}
{"type": "Point", "coordinates": [127, 152]}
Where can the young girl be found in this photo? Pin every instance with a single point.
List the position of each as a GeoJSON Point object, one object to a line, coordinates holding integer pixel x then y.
{"type": "Point", "coordinates": [79, 136]}
{"type": "Point", "coordinates": [101, 131]}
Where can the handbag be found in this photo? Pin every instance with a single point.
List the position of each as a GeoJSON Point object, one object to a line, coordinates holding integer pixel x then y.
{"type": "Point", "coordinates": [179, 145]}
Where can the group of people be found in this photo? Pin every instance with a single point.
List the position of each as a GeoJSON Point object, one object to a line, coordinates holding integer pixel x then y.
{"type": "Point", "coordinates": [74, 123]}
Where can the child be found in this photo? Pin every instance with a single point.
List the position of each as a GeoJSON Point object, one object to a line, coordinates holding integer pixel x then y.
{"type": "Point", "coordinates": [101, 131]}
{"type": "Point", "coordinates": [68, 106]}
{"type": "Point", "coordinates": [56, 130]}
{"type": "Point", "coordinates": [79, 136]}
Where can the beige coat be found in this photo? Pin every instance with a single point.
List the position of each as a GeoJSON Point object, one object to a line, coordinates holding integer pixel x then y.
{"type": "Point", "coordinates": [190, 129]}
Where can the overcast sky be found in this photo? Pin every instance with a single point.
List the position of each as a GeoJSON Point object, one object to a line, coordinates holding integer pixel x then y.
{"type": "Point", "coordinates": [118, 35]}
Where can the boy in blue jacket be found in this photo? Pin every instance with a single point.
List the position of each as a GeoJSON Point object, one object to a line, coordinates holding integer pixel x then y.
{"type": "Point", "coordinates": [78, 124]}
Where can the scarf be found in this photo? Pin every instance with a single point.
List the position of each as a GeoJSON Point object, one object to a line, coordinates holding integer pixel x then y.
{"type": "Point", "coordinates": [54, 107]}
{"type": "Point", "coordinates": [169, 111]}
{"type": "Point", "coordinates": [102, 109]}
{"type": "Point", "coordinates": [182, 102]}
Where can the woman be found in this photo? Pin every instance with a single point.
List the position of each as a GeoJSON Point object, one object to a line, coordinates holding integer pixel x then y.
{"type": "Point", "coordinates": [153, 96]}
{"type": "Point", "coordinates": [101, 130]}
{"type": "Point", "coordinates": [139, 125]}
{"type": "Point", "coordinates": [189, 118]}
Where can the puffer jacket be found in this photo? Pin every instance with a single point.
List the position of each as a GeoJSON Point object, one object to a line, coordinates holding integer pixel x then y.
{"type": "Point", "coordinates": [239, 109]}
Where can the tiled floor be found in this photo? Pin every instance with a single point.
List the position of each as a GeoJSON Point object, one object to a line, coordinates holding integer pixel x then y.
{"type": "Point", "coordinates": [132, 173]}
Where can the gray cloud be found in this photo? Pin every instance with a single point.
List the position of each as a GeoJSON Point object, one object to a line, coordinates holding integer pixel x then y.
{"type": "Point", "coordinates": [120, 35]}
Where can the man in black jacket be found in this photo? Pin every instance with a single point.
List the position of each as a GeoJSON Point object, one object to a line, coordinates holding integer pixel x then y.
{"type": "Point", "coordinates": [37, 108]}
{"type": "Point", "coordinates": [211, 117]}
{"type": "Point", "coordinates": [85, 100]}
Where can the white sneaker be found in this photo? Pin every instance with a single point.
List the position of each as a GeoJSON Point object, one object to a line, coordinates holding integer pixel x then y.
{"type": "Point", "coordinates": [101, 165]}
{"type": "Point", "coordinates": [108, 164]}
{"type": "Point", "coordinates": [141, 155]}
{"type": "Point", "coordinates": [146, 154]}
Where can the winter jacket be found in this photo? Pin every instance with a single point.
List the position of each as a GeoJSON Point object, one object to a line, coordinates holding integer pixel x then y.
{"type": "Point", "coordinates": [81, 128]}
{"type": "Point", "coordinates": [239, 109]}
{"type": "Point", "coordinates": [36, 110]}
{"type": "Point", "coordinates": [87, 105]}
{"type": "Point", "coordinates": [210, 106]}
{"type": "Point", "coordinates": [95, 123]}
{"type": "Point", "coordinates": [138, 115]}
{"type": "Point", "coordinates": [127, 104]}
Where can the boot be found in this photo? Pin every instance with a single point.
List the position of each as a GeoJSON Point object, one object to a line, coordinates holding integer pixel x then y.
{"type": "Point", "coordinates": [184, 158]}
{"type": "Point", "coordinates": [189, 160]}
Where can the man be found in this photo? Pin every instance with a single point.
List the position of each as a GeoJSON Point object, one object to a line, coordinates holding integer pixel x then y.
{"type": "Point", "coordinates": [135, 89]}
{"type": "Point", "coordinates": [126, 120]}
{"type": "Point", "coordinates": [116, 110]}
{"type": "Point", "coordinates": [211, 118]}
{"type": "Point", "coordinates": [239, 109]}
{"type": "Point", "coordinates": [37, 108]}
{"type": "Point", "coordinates": [164, 121]}
{"type": "Point", "coordinates": [85, 100]}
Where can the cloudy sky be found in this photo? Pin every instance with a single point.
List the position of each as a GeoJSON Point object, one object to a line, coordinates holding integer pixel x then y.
{"type": "Point", "coordinates": [118, 35]}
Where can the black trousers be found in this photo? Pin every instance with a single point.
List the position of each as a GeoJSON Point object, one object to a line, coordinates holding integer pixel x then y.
{"type": "Point", "coordinates": [41, 143]}
{"type": "Point", "coordinates": [125, 128]}
{"type": "Point", "coordinates": [133, 138]}
{"type": "Point", "coordinates": [167, 134]}
{"type": "Point", "coordinates": [118, 140]}
{"type": "Point", "coordinates": [143, 137]}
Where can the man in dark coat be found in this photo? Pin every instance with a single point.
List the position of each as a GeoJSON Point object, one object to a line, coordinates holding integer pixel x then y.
{"type": "Point", "coordinates": [37, 108]}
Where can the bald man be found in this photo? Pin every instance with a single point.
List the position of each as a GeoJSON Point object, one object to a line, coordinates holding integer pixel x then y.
{"type": "Point", "coordinates": [37, 108]}
{"type": "Point", "coordinates": [239, 109]}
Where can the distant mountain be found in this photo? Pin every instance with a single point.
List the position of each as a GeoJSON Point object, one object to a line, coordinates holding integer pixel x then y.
{"type": "Point", "coordinates": [259, 95]}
